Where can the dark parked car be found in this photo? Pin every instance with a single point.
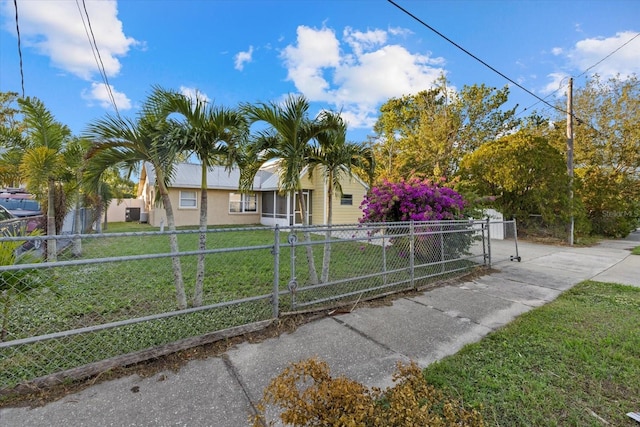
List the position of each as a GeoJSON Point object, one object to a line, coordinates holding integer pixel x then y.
{"type": "Point", "coordinates": [11, 225]}
{"type": "Point", "coordinates": [21, 207]}
{"type": "Point", "coordinates": [19, 203]}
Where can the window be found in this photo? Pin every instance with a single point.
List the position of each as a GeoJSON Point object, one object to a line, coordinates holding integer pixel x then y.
{"type": "Point", "coordinates": [188, 200]}
{"type": "Point", "coordinates": [346, 200]}
{"type": "Point", "coordinates": [239, 202]}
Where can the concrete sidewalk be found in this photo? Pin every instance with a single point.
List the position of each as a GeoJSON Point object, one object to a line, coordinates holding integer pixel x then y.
{"type": "Point", "coordinates": [363, 345]}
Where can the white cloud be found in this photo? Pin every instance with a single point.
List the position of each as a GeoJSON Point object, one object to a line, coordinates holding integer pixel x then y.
{"type": "Point", "coordinates": [99, 94]}
{"type": "Point", "coordinates": [55, 29]}
{"type": "Point", "coordinates": [194, 94]}
{"type": "Point", "coordinates": [316, 51]}
{"type": "Point", "coordinates": [624, 61]}
{"type": "Point", "coordinates": [243, 57]}
{"type": "Point", "coordinates": [397, 31]}
{"type": "Point", "coordinates": [360, 41]}
{"type": "Point", "coordinates": [555, 83]}
{"type": "Point", "coordinates": [557, 51]}
{"type": "Point", "coordinates": [358, 74]}
{"type": "Point", "coordinates": [359, 118]}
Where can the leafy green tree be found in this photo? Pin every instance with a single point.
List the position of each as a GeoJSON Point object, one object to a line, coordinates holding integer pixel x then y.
{"type": "Point", "coordinates": [11, 140]}
{"type": "Point", "coordinates": [8, 112]}
{"type": "Point", "coordinates": [114, 186]}
{"type": "Point", "coordinates": [287, 137]}
{"type": "Point", "coordinates": [43, 162]}
{"type": "Point", "coordinates": [337, 159]}
{"type": "Point", "coordinates": [213, 135]}
{"type": "Point", "coordinates": [125, 143]}
{"type": "Point", "coordinates": [607, 153]}
{"type": "Point", "coordinates": [428, 133]}
{"type": "Point", "coordinates": [525, 175]}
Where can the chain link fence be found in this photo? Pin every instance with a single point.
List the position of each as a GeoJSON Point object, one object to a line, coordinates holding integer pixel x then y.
{"type": "Point", "coordinates": [112, 299]}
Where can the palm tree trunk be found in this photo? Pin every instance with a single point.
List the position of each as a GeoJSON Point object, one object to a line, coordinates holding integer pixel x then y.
{"type": "Point", "coordinates": [181, 297]}
{"type": "Point", "coordinates": [52, 248]}
{"type": "Point", "coordinates": [98, 216]}
{"type": "Point", "coordinates": [202, 241]}
{"type": "Point", "coordinates": [326, 256]}
{"type": "Point", "coordinates": [313, 273]}
{"type": "Point", "coordinates": [105, 224]}
{"type": "Point", "coordinates": [76, 248]}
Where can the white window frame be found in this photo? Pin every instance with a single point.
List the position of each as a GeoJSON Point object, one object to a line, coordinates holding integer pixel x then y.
{"type": "Point", "coordinates": [246, 200]}
{"type": "Point", "coordinates": [185, 197]}
{"type": "Point", "coordinates": [346, 200]}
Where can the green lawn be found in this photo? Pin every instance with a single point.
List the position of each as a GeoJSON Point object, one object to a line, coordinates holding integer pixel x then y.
{"type": "Point", "coordinates": [85, 295]}
{"type": "Point", "coordinates": [573, 362]}
{"type": "Point", "coordinates": [635, 251]}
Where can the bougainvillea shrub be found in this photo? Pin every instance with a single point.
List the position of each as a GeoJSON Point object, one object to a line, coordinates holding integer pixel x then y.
{"type": "Point", "coordinates": [412, 199]}
{"type": "Point", "coordinates": [419, 200]}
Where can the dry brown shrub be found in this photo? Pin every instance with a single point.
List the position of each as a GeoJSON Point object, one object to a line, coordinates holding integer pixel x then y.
{"type": "Point", "coordinates": [307, 395]}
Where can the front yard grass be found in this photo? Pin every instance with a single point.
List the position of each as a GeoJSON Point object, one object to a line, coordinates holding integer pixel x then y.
{"type": "Point", "coordinates": [635, 251]}
{"type": "Point", "coordinates": [574, 362]}
{"type": "Point", "coordinates": [80, 295]}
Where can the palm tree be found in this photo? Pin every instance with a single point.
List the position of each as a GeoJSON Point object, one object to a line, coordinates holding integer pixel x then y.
{"type": "Point", "coordinates": [126, 143]}
{"type": "Point", "coordinates": [43, 158]}
{"type": "Point", "coordinates": [212, 134]}
{"type": "Point", "coordinates": [74, 159]}
{"type": "Point", "coordinates": [287, 137]}
{"type": "Point", "coordinates": [337, 158]}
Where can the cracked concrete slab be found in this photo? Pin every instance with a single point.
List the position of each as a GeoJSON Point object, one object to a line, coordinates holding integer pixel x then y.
{"type": "Point", "coordinates": [420, 333]}
{"type": "Point", "coordinates": [481, 308]}
{"type": "Point", "coordinates": [346, 351]}
{"type": "Point", "coordinates": [202, 393]}
{"type": "Point", "coordinates": [522, 293]}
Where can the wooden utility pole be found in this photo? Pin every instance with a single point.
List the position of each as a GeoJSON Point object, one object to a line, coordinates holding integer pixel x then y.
{"type": "Point", "coordinates": [570, 154]}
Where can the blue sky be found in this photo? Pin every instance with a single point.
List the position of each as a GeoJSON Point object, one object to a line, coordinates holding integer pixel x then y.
{"type": "Point", "coordinates": [347, 55]}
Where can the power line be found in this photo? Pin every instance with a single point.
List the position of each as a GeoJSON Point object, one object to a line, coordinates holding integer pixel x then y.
{"type": "Point", "coordinates": [15, 5]}
{"type": "Point", "coordinates": [606, 57]}
{"type": "Point", "coordinates": [96, 53]}
{"type": "Point", "coordinates": [473, 56]}
{"type": "Point", "coordinates": [560, 86]}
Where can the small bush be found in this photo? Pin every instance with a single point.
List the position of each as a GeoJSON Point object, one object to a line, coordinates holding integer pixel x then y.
{"type": "Point", "coordinates": [307, 395]}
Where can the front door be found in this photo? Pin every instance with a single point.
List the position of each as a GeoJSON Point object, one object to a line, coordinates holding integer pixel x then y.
{"type": "Point", "coordinates": [297, 213]}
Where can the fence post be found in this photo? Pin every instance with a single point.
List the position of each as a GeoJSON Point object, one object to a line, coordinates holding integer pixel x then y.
{"type": "Point", "coordinates": [412, 254]}
{"type": "Point", "coordinates": [442, 247]}
{"type": "Point", "coordinates": [484, 243]}
{"type": "Point", "coordinates": [276, 272]}
{"type": "Point", "coordinates": [384, 258]}
{"type": "Point", "coordinates": [515, 238]}
{"type": "Point", "coordinates": [293, 282]}
{"type": "Point", "coordinates": [489, 241]}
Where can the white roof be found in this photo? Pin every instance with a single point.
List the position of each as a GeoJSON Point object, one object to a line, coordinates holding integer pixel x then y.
{"type": "Point", "coordinates": [188, 175]}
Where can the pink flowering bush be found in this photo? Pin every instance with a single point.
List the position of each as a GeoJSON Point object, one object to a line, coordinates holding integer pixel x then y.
{"type": "Point", "coordinates": [419, 200]}
{"type": "Point", "coordinates": [412, 199]}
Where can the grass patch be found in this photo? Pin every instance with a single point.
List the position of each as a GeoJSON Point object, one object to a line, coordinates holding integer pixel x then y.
{"type": "Point", "coordinates": [635, 251]}
{"type": "Point", "coordinates": [79, 295]}
{"type": "Point", "coordinates": [575, 361]}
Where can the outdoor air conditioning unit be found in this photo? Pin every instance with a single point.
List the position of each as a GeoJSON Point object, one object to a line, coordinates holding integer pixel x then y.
{"type": "Point", "coordinates": [132, 214]}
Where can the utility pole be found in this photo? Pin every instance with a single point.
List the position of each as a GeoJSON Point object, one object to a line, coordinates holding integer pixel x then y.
{"type": "Point", "coordinates": [570, 154]}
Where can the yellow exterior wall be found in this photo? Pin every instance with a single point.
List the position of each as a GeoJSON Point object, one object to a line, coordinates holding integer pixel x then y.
{"type": "Point", "coordinates": [217, 211]}
{"type": "Point", "coordinates": [349, 214]}
{"type": "Point", "coordinates": [218, 205]}
{"type": "Point", "coordinates": [341, 214]}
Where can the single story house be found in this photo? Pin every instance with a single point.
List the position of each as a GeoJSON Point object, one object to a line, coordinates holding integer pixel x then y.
{"type": "Point", "coordinates": [264, 205]}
